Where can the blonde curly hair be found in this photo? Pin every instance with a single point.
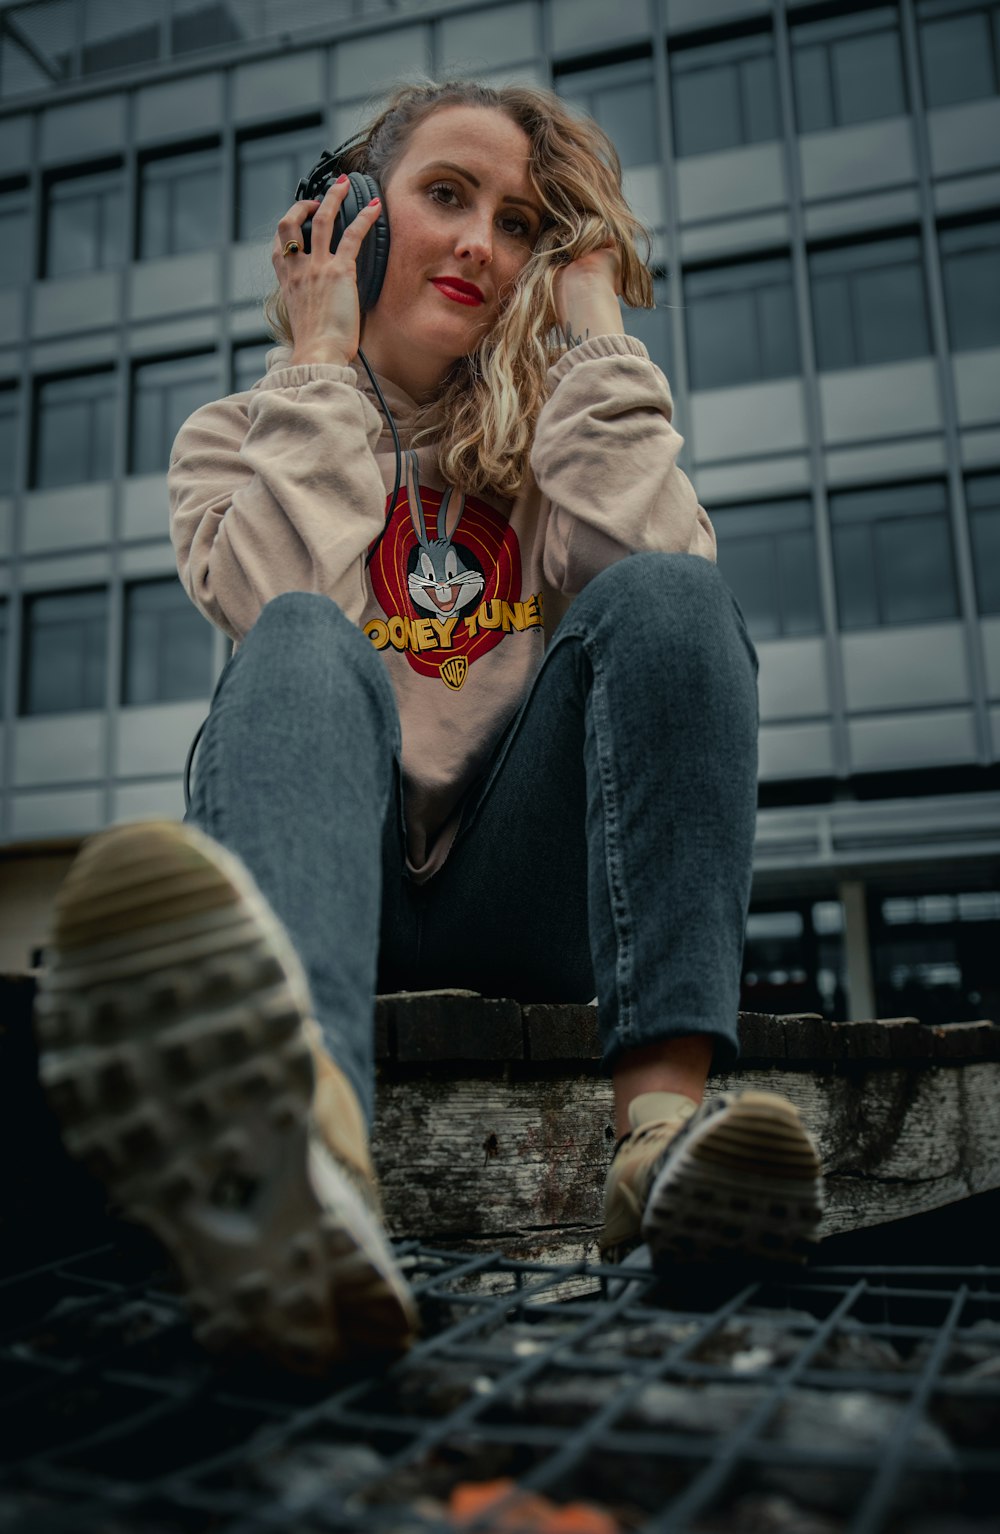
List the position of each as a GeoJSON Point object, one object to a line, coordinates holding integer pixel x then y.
{"type": "Point", "coordinates": [483, 419]}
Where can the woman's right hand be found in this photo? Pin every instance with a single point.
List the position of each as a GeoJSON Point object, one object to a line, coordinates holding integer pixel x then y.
{"type": "Point", "coordinates": [321, 289]}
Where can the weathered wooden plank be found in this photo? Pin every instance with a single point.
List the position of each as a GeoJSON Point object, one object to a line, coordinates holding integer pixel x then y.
{"type": "Point", "coordinates": [494, 1121]}
{"type": "Point", "coordinates": [522, 1162]}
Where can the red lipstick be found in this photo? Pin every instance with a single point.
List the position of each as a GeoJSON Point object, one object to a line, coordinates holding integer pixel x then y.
{"type": "Point", "coordinates": [461, 292]}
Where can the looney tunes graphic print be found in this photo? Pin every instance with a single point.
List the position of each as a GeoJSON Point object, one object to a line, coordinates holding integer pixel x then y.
{"type": "Point", "coordinates": [446, 575]}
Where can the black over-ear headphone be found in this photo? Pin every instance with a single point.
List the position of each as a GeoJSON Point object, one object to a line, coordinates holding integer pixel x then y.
{"type": "Point", "coordinates": [374, 255]}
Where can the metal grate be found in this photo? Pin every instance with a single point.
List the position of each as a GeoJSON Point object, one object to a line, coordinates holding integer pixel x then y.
{"type": "Point", "coordinates": [834, 1398]}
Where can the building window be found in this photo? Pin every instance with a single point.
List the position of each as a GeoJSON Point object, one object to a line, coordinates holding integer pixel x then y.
{"type": "Point", "coordinates": [869, 303]}
{"type": "Point", "coordinates": [84, 222]}
{"type": "Point", "coordinates": [970, 266]}
{"type": "Point", "coordinates": [15, 235]}
{"type": "Point", "coordinates": [959, 50]}
{"type": "Point", "coordinates": [621, 98]}
{"type": "Point", "coordinates": [4, 609]}
{"type": "Point", "coordinates": [795, 960]}
{"type": "Point", "coordinates": [652, 327]}
{"type": "Point", "coordinates": [741, 323]}
{"type": "Point", "coordinates": [892, 556]}
{"type": "Point", "coordinates": [10, 400]}
{"type": "Point", "coordinates": [74, 429]}
{"type": "Point", "coordinates": [65, 652]}
{"type": "Point", "coordinates": [767, 556]}
{"type": "Point", "coordinates": [724, 95]}
{"type": "Point", "coordinates": [168, 645]}
{"type": "Point", "coordinates": [268, 169]}
{"type": "Point", "coordinates": [198, 24]}
{"type": "Point", "coordinates": [118, 36]}
{"type": "Point", "coordinates": [847, 69]}
{"type": "Point", "coordinates": [164, 394]}
{"type": "Point", "coordinates": [982, 497]}
{"type": "Point", "coordinates": [181, 199]}
{"type": "Point", "coordinates": [249, 363]}
{"type": "Point", "coordinates": [934, 955]}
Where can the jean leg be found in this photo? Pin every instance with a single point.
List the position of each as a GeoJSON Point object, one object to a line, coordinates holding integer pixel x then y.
{"type": "Point", "coordinates": [671, 750]}
{"type": "Point", "coordinates": [295, 774]}
{"type": "Point", "coordinates": [619, 817]}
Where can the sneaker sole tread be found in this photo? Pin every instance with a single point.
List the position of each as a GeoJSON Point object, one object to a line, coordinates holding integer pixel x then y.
{"type": "Point", "coordinates": [175, 1060]}
{"type": "Point", "coordinates": [747, 1182]}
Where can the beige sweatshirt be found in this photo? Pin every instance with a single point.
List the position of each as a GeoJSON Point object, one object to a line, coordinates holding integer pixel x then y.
{"type": "Point", "coordinates": [286, 486]}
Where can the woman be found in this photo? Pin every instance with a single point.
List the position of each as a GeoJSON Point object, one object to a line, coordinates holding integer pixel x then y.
{"type": "Point", "coordinates": [497, 731]}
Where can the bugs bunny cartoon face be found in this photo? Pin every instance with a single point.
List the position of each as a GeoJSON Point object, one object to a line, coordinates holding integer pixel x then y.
{"type": "Point", "coordinates": [442, 580]}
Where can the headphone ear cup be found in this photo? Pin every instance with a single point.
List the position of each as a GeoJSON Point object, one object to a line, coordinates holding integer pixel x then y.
{"type": "Point", "coordinates": [374, 254]}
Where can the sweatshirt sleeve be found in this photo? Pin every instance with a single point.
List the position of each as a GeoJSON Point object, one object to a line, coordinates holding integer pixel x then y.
{"type": "Point", "coordinates": [605, 456]}
{"type": "Point", "coordinates": [277, 490]}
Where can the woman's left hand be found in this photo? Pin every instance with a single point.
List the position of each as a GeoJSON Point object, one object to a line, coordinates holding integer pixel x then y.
{"type": "Point", "coordinates": [586, 296]}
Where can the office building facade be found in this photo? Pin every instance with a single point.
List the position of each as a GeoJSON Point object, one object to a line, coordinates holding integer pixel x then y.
{"type": "Point", "coordinates": [822, 184]}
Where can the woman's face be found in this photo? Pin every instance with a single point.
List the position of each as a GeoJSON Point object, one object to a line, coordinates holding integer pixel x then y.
{"type": "Point", "coordinates": [463, 218]}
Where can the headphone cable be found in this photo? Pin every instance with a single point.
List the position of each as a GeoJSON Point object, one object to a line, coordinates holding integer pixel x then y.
{"type": "Point", "coordinates": [399, 458]}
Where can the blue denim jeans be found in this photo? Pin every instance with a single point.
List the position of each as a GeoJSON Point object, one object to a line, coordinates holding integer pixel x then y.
{"type": "Point", "coordinates": [606, 850]}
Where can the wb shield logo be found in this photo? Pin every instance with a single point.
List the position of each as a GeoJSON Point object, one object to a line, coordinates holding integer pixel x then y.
{"type": "Point", "coordinates": [454, 671]}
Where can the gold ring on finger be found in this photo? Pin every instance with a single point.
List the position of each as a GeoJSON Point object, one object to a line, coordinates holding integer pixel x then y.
{"type": "Point", "coordinates": [292, 248]}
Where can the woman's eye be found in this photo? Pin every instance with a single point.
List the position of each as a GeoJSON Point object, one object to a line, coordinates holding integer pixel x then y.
{"type": "Point", "coordinates": [442, 187]}
{"type": "Point", "coordinates": [521, 227]}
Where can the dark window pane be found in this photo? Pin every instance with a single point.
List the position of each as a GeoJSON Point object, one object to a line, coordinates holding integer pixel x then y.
{"type": "Point", "coordinates": [83, 223]}
{"type": "Point", "coordinates": [147, 431]}
{"type": "Point", "coordinates": [916, 572]}
{"type": "Point", "coordinates": [799, 584]}
{"type": "Point", "coordinates": [116, 35]}
{"type": "Point", "coordinates": [972, 298]}
{"type": "Point", "coordinates": [181, 203]}
{"type": "Point", "coordinates": [867, 78]}
{"type": "Point", "coordinates": [266, 189]}
{"type": "Point", "coordinates": [164, 394]}
{"type": "Point", "coordinates": [112, 229]}
{"type": "Point", "coordinates": [72, 237]}
{"type": "Point", "coordinates": [891, 314]}
{"type": "Point", "coordinates": [706, 110]}
{"type": "Point", "coordinates": [813, 101]}
{"type": "Point", "coordinates": [268, 170]}
{"type": "Point", "coordinates": [652, 328]}
{"type": "Point", "coordinates": [203, 24]}
{"type": "Point", "coordinates": [169, 645]}
{"type": "Point", "coordinates": [3, 659]}
{"type": "Point", "coordinates": [15, 239]}
{"type": "Point", "coordinates": [747, 565]}
{"type": "Point", "coordinates": [778, 332]}
{"type": "Point", "coordinates": [854, 570]}
{"type": "Point", "coordinates": [985, 530]}
{"type": "Point", "coordinates": [831, 305]}
{"type": "Point", "coordinates": [196, 215]}
{"type": "Point", "coordinates": [74, 436]}
{"type": "Point", "coordinates": [65, 652]}
{"type": "Point", "coordinates": [249, 364]}
{"type": "Point", "coordinates": [102, 458]}
{"type": "Point", "coordinates": [63, 445]}
{"type": "Point", "coordinates": [181, 400]}
{"type": "Point", "coordinates": [627, 115]}
{"type": "Point", "coordinates": [761, 118]}
{"type": "Point", "coordinates": [155, 237]}
{"type": "Point", "coordinates": [722, 341]}
{"type": "Point", "coordinates": [8, 439]}
{"type": "Point", "coordinates": [957, 57]}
